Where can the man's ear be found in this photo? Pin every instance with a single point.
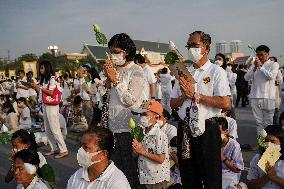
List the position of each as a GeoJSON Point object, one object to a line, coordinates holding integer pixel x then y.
{"type": "Point", "coordinates": [207, 47]}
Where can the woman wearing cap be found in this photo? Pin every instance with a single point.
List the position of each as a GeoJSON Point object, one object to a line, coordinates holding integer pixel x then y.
{"type": "Point", "coordinates": [153, 161]}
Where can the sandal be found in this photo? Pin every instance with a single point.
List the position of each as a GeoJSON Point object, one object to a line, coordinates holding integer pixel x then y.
{"type": "Point", "coordinates": [50, 153]}
{"type": "Point", "coordinates": [61, 155]}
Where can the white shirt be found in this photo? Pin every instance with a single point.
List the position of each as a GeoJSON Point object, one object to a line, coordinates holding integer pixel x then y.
{"type": "Point", "coordinates": [149, 74]}
{"type": "Point", "coordinates": [170, 131]}
{"type": "Point", "coordinates": [232, 127]}
{"type": "Point", "coordinates": [166, 82]}
{"type": "Point", "coordinates": [35, 184]}
{"type": "Point", "coordinates": [263, 80]}
{"type": "Point", "coordinates": [232, 77]}
{"type": "Point", "coordinates": [52, 85]}
{"type": "Point", "coordinates": [83, 93]}
{"type": "Point", "coordinates": [32, 92]}
{"type": "Point", "coordinates": [111, 178]}
{"type": "Point", "coordinates": [255, 172]}
{"type": "Point", "coordinates": [22, 92]}
{"type": "Point", "coordinates": [26, 113]}
{"type": "Point", "coordinates": [151, 172]}
{"type": "Point", "coordinates": [129, 94]}
{"type": "Point", "coordinates": [218, 85]}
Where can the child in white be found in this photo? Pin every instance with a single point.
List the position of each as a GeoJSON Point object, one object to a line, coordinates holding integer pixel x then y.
{"type": "Point", "coordinates": [25, 114]}
{"type": "Point", "coordinates": [232, 124]}
{"type": "Point", "coordinates": [231, 156]}
{"type": "Point", "coordinates": [153, 161]}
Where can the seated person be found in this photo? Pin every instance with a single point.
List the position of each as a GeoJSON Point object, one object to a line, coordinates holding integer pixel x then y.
{"type": "Point", "coordinates": [274, 176]}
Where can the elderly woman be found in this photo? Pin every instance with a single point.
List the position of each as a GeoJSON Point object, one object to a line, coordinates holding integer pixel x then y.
{"type": "Point", "coordinates": [26, 166]}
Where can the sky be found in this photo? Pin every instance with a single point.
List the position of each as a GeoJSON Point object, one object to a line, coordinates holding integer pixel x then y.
{"type": "Point", "coordinates": [30, 26]}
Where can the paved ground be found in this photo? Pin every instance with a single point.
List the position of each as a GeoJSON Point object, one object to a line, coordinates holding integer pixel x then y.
{"type": "Point", "coordinates": [65, 167]}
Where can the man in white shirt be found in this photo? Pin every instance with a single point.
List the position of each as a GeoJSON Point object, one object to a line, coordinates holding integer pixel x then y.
{"type": "Point", "coordinates": [97, 171]}
{"type": "Point", "coordinates": [129, 90]}
{"type": "Point", "coordinates": [198, 132]}
{"type": "Point", "coordinates": [262, 94]}
{"type": "Point", "coordinates": [22, 91]}
{"type": "Point", "coordinates": [151, 78]}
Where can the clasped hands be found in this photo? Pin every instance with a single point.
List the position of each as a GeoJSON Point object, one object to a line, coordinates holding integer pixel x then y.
{"type": "Point", "coordinates": [110, 71]}
{"type": "Point", "coordinates": [187, 88]}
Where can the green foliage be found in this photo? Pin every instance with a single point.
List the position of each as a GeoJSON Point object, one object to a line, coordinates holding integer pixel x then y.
{"type": "Point", "coordinates": [5, 138]}
{"type": "Point", "coordinates": [47, 173]}
{"type": "Point", "coordinates": [29, 57]}
{"type": "Point", "coordinates": [171, 58]}
{"type": "Point", "coordinates": [137, 133]}
{"type": "Point", "coordinates": [101, 38]}
{"type": "Point", "coordinates": [261, 141]}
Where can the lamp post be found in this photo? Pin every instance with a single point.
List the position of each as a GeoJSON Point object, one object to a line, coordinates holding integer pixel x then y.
{"type": "Point", "coordinates": [53, 49]}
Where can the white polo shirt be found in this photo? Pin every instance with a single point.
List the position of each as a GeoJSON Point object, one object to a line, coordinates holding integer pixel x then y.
{"type": "Point", "coordinates": [151, 172]}
{"type": "Point", "coordinates": [111, 178]}
{"type": "Point", "coordinates": [211, 80]}
{"type": "Point", "coordinates": [263, 80]}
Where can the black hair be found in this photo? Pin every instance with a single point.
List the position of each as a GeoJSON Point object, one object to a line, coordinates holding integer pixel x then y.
{"type": "Point", "coordinates": [277, 131]}
{"type": "Point", "coordinates": [94, 73]}
{"type": "Point", "coordinates": [204, 37]}
{"type": "Point", "coordinates": [26, 138]}
{"type": "Point", "coordinates": [139, 59]}
{"type": "Point", "coordinates": [274, 58]}
{"type": "Point", "coordinates": [124, 42]}
{"type": "Point", "coordinates": [262, 48]}
{"type": "Point", "coordinates": [8, 104]}
{"type": "Point", "coordinates": [164, 70]}
{"type": "Point", "coordinates": [77, 100]}
{"type": "Point", "coordinates": [22, 99]}
{"type": "Point", "coordinates": [28, 156]}
{"type": "Point", "coordinates": [223, 122]}
{"type": "Point", "coordinates": [241, 66]}
{"type": "Point", "coordinates": [281, 117]}
{"type": "Point", "coordinates": [166, 114]}
{"type": "Point", "coordinates": [48, 71]}
{"type": "Point", "coordinates": [105, 139]}
{"type": "Point", "coordinates": [224, 65]}
{"type": "Point", "coordinates": [21, 71]}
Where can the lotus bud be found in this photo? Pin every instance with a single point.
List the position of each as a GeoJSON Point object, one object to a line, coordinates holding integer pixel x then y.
{"type": "Point", "coordinates": [4, 129]}
{"type": "Point", "coordinates": [31, 169]}
{"type": "Point", "coordinates": [96, 28]}
{"type": "Point", "coordinates": [172, 46]}
{"type": "Point", "coordinates": [131, 123]}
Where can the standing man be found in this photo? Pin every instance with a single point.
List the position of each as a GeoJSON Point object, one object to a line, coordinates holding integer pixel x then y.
{"type": "Point", "coordinates": [129, 88]}
{"type": "Point", "coordinates": [149, 74]}
{"type": "Point", "coordinates": [199, 137]}
{"type": "Point", "coordinates": [262, 94]}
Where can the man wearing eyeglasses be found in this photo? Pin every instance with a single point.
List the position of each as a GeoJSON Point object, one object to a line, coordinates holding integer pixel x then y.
{"type": "Point", "coordinates": [262, 94]}
{"type": "Point", "coordinates": [199, 137]}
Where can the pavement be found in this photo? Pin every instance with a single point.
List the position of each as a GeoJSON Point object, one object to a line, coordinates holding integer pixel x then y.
{"type": "Point", "coordinates": [66, 166]}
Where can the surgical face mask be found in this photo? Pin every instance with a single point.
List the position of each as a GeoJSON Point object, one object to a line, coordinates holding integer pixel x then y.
{"type": "Point", "coordinates": [145, 122]}
{"type": "Point", "coordinates": [195, 54]}
{"type": "Point", "coordinates": [85, 158]}
{"type": "Point", "coordinates": [219, 62]}
{"type": "Point", "coordinates": [223, 136]}
{"type": "Point", "coordinates": [118, 59]}
{"type": "Point", "coordinates": [270, 144]}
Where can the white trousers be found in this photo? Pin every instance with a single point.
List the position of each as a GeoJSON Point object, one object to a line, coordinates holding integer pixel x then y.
{"type": "Point", "coordinates": [52, 128]}
{"type": "Point", "coordinates": [263, 111]}
{"type": "Point", "coordinates": [166, 100]}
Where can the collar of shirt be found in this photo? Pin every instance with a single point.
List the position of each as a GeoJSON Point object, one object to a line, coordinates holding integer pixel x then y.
{"type": "Point", "coordinates": [203, 67]}
{"type": "Point", "coordinates": [155, 130]}
{"type": "Point", "coordinates": [31, 184]}
{"type": "Point", "coordinates": [105, 175]}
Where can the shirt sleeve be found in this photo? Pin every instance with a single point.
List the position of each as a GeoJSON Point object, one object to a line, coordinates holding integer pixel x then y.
{"type": "Point", "coordinates": [221, 84]}
{"type": "Point", "coordinates": [162, 144]}
{"type": "Point", "coordinates": [26, 113]}
{"type": "Point", "coordinates": [176, 92]}
{"type": "Point", "coordinates": [249, 75]}
{"type": "Point", "coordinates": [237, 158]}
{"type": "Point", "coordinates": [129, 92]}
{"type": "Point", "coordinates": [253, 172]}
{"type": "Point", "coordinates": [270, 72]}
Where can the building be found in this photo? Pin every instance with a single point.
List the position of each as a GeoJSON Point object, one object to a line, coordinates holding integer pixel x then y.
{"type": "Point", "coordinates": [155, 51]}
{"type": "Point", "coordinates": [236, 46]}
{"type": "Point", "coordinates": [221, 47]}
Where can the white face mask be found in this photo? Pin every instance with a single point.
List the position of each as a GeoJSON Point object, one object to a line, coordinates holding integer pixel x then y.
{"type": "Point", "coordinates": [223, 136]}
{"type": "Point", "coordinates": [219, 62]}
{"type": "Point", "coordinates": [118, 59]}
{"type": "Point", "coordinates": [30, 168]}
{"type": "Point", "coordinates": [195, 54]}
{"type": "Point", "coordinates": [85, 158]}
{"type": "Point", "coordinates": [145, 122]}
{"type": "Point", "coordinates": [270, 144]}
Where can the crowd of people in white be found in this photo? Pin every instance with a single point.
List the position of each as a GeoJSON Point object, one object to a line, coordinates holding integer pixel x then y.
{"type": "Point", "coordinates": [202, 151]}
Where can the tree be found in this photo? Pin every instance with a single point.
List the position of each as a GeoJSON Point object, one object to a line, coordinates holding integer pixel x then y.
{"type": "Point", "coordinates": [29, 57]}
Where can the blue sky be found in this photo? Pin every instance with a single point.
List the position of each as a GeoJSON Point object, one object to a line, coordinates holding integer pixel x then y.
{"type": "Point", "coordinates": [32, 25]}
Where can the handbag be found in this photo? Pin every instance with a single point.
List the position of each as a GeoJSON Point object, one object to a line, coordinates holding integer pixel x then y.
{"type": "Point", "coordinates": [54, 100]}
